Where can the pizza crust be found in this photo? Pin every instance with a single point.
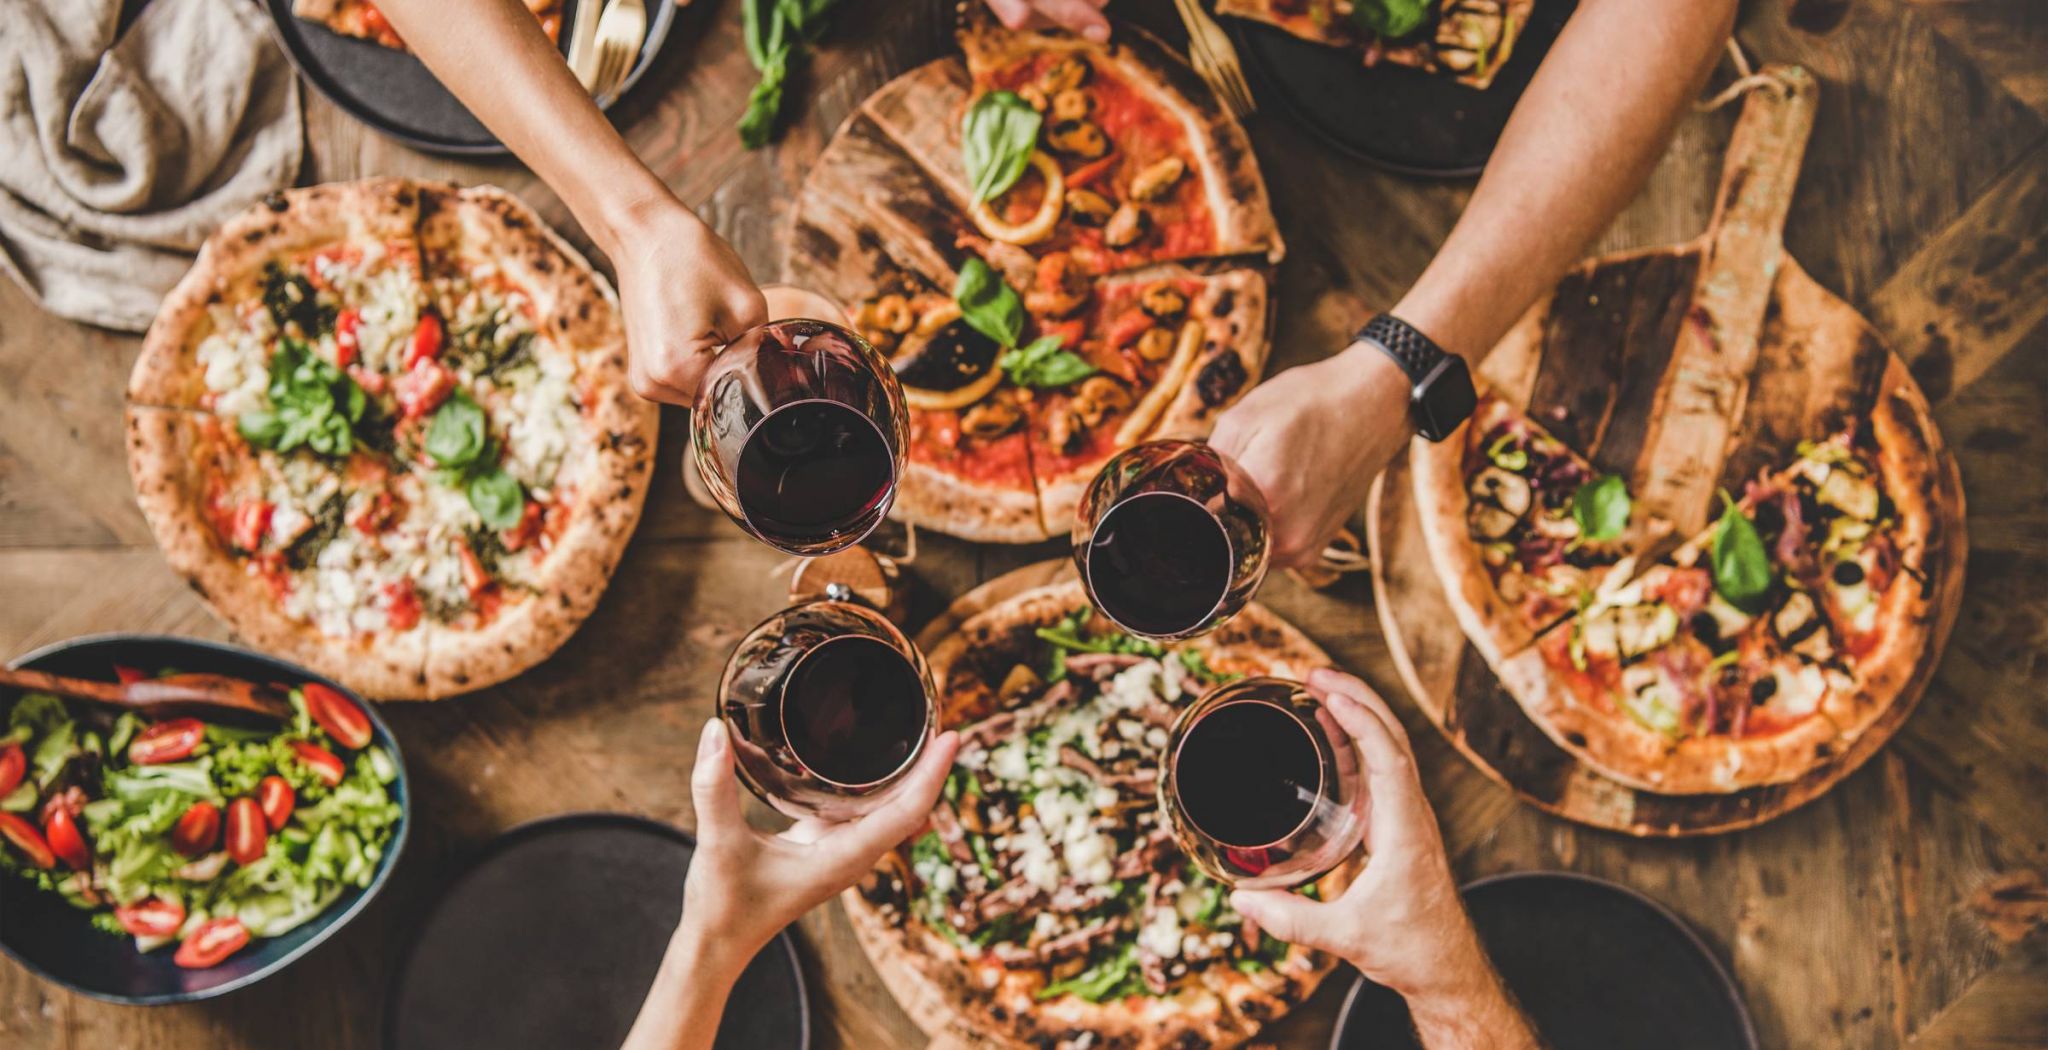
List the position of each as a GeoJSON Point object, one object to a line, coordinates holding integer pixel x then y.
{"type": "Point", "coordinates": [1494, 628]}
{"type": "Point", "coordinates": [931, 498]}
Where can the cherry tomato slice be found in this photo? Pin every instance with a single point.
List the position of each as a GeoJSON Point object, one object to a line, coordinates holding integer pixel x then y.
{"type": "Point", "coordinates": [275, 795]}
{"type": "Point", "coordinates": [211, 944]}
{"type": "Point", "coordinates": [337, 714]}
{"type": "Point", "coordinates": [60, 830]}
{"type": "Point", "coordinates": [426, 340]}
{"type": "Point", "coordinates": [321, 761]}
{"type": "Point", "coordinates": [198, 831]}
{"type": "Point", "coordinates": [28, 840]}
{"type": "Point", "coordinates": [402, 604]}
{"type": "Point", "coordinates": [166, 741]}
{"type": "Point", "coordinates": [252, 521]}
{"type": "Point", "coordinates": [129, 675]}
{"type": "Point", "coordinates": [345, 326]}
{"type": "Point", "coordinates": [151, 917]}
{"type": "Point", "coordinates": [247, 833]}
{"type": "Point", "coordinates": [13, 764]}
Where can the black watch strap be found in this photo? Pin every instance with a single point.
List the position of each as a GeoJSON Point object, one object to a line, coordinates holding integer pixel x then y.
{"type": "Point", "coordinates": [1440, 394]}
{"type": "Point", "coordinates": [1409, 348]}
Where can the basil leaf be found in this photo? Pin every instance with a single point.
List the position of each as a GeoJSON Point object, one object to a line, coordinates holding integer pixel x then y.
{"type": "Point", "coordinates": [988, 304]}
{"type": "Point", "coordinates": [1043, 364]}
{"type": "Point", "coordinates": [497, 497]}
{"type": "Point", "coordinates": [457, 434]}
{"type": "Point", "coordinates": [312, 404]}
{"type": "Point", "coordinates": [1392, 19]}
{"type": "Point", "coordinates": [775, 32]}
{"type": "Point", "coordinates": [996, 139]}
{"type": "Point", "coordinates": [1601, 507]}
{"type": "Point", "coordinates": [1742, 570]}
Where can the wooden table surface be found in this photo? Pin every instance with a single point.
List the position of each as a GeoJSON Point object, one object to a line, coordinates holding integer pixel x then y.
{"type": "Point", "coordinates": [1903, 909]}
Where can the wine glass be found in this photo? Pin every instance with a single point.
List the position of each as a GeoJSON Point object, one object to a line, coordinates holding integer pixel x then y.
{"type": "Point", "coordinates": [798, 431]}
{"type": "Point", "coordinates": [1171, 539]}
{"type": "Point", "coordinates": [1262, 787]}
{"type": "Point", "coordinates": [828, 705]}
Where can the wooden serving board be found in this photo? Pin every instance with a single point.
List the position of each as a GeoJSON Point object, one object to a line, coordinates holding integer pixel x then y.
{"type": "Point", "coordinates": [1687, 370]}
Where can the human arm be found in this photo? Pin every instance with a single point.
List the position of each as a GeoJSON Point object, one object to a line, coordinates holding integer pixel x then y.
{"type": "Point", "coordinates": [1584, 136]}
{"type": "Point", "coordinates": [1401, 922]}
{"type": "Point", "coordinates": [745, 885]}
{"type": "Point", "coordinates": [683, 289]}
{"type": "Point", "coordinates": [1080, 16]}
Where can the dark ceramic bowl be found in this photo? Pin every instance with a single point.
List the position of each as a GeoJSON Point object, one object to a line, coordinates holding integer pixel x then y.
{"type": "Point", "coordinates": [58, 943]}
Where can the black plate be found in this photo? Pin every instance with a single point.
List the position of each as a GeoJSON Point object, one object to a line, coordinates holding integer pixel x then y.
{"type": "Point", "coordinates": [393, 92]}
{"type": "Point", "coordinates": [1597, 966]}
{"type": "Point", "coordinates": [552, 937]}
{"type": "Point", "coordinates": [57, 942]}
{"type": "Point", "coordinates": [1406, 120]}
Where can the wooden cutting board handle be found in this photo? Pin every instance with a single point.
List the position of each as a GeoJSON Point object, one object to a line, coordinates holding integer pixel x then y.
{"type": "Point", "coordinates": [1706, 384]}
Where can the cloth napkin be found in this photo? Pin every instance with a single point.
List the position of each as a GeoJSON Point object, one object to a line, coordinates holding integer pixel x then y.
{"type": "Point", "coordinates": [121, 151]}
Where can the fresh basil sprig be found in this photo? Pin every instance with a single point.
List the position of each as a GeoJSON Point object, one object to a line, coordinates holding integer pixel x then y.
{"type": "Point", "coordinates": [1601, 507]}
{"type": "Point", "coordinates": [459, 442]}
{"type": "Point", "coordinates": [1742, 570]}
{"type": "Point", "coordinates": [776, 32]}
{"type": "Point", "coordinates": [990, 306]}
{"type": "Point", "coordinates": [1391, 19]}
{"type": "Point", "coordinates": [312, 404]}
{"type": "Point", "coordinates": [1042, 363]}
{"type": "Point", "coordinates": [996, 139]}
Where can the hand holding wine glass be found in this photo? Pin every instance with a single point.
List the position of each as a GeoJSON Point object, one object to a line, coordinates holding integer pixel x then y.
{"type": "Point", "coordinates": [684, 293]}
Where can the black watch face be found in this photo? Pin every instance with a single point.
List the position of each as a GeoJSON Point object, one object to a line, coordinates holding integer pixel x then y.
{"type": "Point", "coordinates": [1444, 398]}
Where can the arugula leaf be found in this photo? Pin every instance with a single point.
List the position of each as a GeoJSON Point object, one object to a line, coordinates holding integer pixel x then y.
{"type": "Point", "coordinates": [458, 433]}
{"type": "Point", "coordinates": [988, 304]}
{"type": "Point", "coordinates": [1742, 571]}
{"type": "Point", "coordinates": [1041, 363]}
{"type": "Point", "coordinates": [997, 137]}
{"type": "Point", "coordinates": [1096, 982]}
{"type": "Point", "coordinates": [1601, 507]}
{"type": "Point", "coordinates": [1392, 19]}
{"type": "Point", "coordinates": [498, 498]}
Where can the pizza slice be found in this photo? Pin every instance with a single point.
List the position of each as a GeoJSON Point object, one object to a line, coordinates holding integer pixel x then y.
{"type": "Point", "coordinates": [1468, 39]}
{"type": "Point", "coordinates": [361, 19]}
{"type": "Point", "coordinates": [1521, 528]}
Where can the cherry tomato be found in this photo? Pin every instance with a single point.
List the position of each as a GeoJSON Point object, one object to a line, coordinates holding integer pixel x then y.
{"type": "Point", "coordinates": [275, 795]}
{"type": "Point", "coordinates": [426, 340]}
{"type": "Point", "coordinates": [198, 831]}
{"type": "Point", "coordinates": [166, 741]}
{"type": "Point", "coordinates": [28, 840]}
{"type": "Point", "coordinates": [151, 917]}
{"type": "Point", "coordinates": [402, 604]}
{"type": "Point", "coordinates": [321, 761]}
{"type": "Point", "coordinates": [345, 325]}
{"type": "Point", "coordinates": [211, 943]}
{"type": "Point", "coordinates": [473, 575]}
{"type": "Point", "coordinates": [422, 389]}
{"type": "Point", "coordinates": [129, 675]}
{"type": "Point", "coordinates": [247, 834]}
{"type": "Point", "coordinates": [252, 520]}
{"type": "Point", "coordinates": [12, 766]}
{"type": "Point", "coordinates": [528, 529]}
{"type": "Point", "coordinates": [337, 714]}
{"type": "Point", "coordinates": [60, 830]}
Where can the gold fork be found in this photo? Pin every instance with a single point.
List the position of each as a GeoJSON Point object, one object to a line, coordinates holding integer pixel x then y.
{"type": "Point", "coordinates": [620, 32]}
{"type": "Point", "coordinates": [1215, 60]}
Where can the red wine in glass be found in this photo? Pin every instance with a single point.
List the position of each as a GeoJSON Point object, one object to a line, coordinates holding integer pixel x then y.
{"type": "Point", "coordinates": [853, 710]}
{"type": "Point", "coordinates": [1262, 787]}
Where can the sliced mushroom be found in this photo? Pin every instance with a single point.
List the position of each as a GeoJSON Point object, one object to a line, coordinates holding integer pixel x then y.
{"type": "Point", "coordinates": [1077, 138]}
{"type": "Point", "coordinates": [1501, 488]}
{"type": "Point", "coordinates": [1088, 207]}
{"type": "Point", "coordinates": [1065, 75]}
{"type": "Point", "coordinates": [1641, 628]}
{"type": "Point", "coordinates": [1125, 227]}
{"type": "Point", "coordinates": [1163, 301]}
{"type": "Point", "coordinates": [1489, 522]}
{"type": "Point", "coordinates": [1071, 104]}
{"type": "Point", "coordinates": [1156, 344]}
{"type": "Point", "coordinates": [1796, 619]}
{"type": "Point", "coordinates": [1157, 178]}
{"type": "Point", "coordinates": [991, 418]}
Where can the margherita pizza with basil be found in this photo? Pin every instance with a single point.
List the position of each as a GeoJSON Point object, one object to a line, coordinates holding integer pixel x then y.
{"type": "Point", "coordinates": [1062, 246]}
{"type": "Point", "coordinates": [384, 428]}
{"type": "Point", "coordinates": [1048, 906]}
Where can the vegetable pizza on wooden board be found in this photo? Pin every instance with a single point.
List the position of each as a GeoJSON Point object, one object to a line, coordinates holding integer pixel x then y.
{"type": "Point", "coordinates": [1048, 904]}
{"type": "Point", "coordinates": [384, 429]}
{"type": "Point", "coordinates": [1064, 249]}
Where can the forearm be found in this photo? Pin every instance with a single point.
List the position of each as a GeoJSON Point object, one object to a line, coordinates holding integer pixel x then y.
{"type": "Point", "coordinates": [505, 70]}
{"type": "Point", "coordinates": [1470, 1009]}
{"type": "Point", "coordinates": [1581, 141]}
{"type": "Point", "coordinates": [687, 999]}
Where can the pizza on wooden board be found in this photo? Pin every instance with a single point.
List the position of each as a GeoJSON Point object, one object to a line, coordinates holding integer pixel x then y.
{"type": "Point", "coordinates": [1048, 905]}
{"type": "Point", "coordinates": [361, 19]}
{"type": "Point", "coordinates": [1467, 39]}
{"type": "Point", "coordinates": [1062, 253]}
{"type": "Point", "coordinates": [384, 428]}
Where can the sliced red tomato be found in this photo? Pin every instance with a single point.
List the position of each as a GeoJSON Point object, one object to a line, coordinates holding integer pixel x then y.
{"type": "Point", "coordinates": [24, 836]}
{"type": "Point", "coordinates": [473, 575]}
{"type": "Point", "coordinates": [337, 714]}
{"type": "Point", "coordinates": [422, 389]}
{"type": "Point", "coordinates": [377, 514]}
{"type": "Point", "coordinates": [71, 800]}
{"type": "Point", "coordinates": [275, 795]}
{"type": "Point", "coordinates": [371, 382]}
{"type": "Point", "coordinates": [166, 741]}
{"type": "Point", "coordinates": [528, 529]}
{"type": "Point", "coordinates": [198, 831]}
{"type": "Point", "coordinates": [426, 340]}
{"type": "Point", "coordinates": [345, 325]}
{"type": "Point", "coordinates": [252, 520]}
{"type": "Point", "coordinates": [129, 675]}
{"type": "Point", "coordinates": [151, 917]}
{"type": "Point", "coordinates": [321, 761]}
{"type": "Point", "coordinates": [402, 604]}
{"type": "Point", "coordinates": [1127, 328]}
{"type": "Point", "coordinates": [211, 944]}
{"type": "Point", "coordinates": [13, 764]}
{"type": "Point", "coordinates": [1090, 171]}
{"type": "Point", "coordinates": [60, 830]}
{"type": "Point", "coordinates": [247, 832]}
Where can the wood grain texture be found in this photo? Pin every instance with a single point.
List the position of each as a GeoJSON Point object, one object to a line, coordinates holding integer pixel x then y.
{"type": "Point", "coordinates": [1919, 203]}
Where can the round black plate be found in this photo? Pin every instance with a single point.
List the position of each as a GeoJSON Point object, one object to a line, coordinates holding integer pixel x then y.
{"type": "Point", "coordinates": [393, 92]}
{"type": "Point", "coordinates": [552, 937]}
{"type": "Point", "coordinates": [56, 941]}
{"type": "Point", "coordinates": [1406, 120]}
{"type": "Point", "coordinates": [1597, 966]}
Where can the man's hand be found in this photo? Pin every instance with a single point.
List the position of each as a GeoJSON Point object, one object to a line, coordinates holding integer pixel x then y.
{"type": "Point", "coordinates": [1313, 437]}
{"type": "Point", "coordinates": [1079, 16]}
{"type": "Point", "coordinates": [684, 291]}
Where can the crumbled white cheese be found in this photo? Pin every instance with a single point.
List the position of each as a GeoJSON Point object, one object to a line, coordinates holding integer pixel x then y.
{"type": "Point", "coordinates": [1161, 934]}
{"type": "Point", "coordinates": [544, 419]}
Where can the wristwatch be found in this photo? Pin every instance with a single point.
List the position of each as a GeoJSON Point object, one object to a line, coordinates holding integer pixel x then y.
{"type": "Point", "coordinates": [1440, 394]}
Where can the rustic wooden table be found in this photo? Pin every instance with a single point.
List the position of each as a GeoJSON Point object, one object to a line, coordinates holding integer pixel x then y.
{"type": "Point", "coordinates": [1904, 908]}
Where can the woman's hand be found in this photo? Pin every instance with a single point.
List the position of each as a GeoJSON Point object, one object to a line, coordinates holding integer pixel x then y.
{"type": "Point", "coordinates": [684, 291]}
{"type": "Point", "coordinates": [1079, 16]}
{"type": "Point", "coordinates": [1313, 438]}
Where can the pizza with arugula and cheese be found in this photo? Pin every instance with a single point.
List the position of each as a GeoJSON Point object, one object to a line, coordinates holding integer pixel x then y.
{"type": "Point", "coordinates": [384, 428]}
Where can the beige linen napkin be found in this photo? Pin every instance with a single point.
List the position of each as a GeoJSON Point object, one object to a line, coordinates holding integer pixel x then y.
{"type": "Point", "coordinates": [119, 156]}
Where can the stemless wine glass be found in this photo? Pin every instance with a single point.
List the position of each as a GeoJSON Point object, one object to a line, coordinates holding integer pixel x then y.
{"type": "Point", "coordinates": [828, 706]}
{"type": "Point", "coordinates": [1263, 789]}
{"type": "Point", "coordinates": [798, 431]}
{"type": "Point", "coordinates": [1171, 539]}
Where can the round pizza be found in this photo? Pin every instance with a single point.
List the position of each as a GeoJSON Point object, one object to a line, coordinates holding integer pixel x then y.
{"type": "Point", "coordinates": [1753, 654]}
{"type": "Point", "coordinates": [1062, 246]}
{"type": "Point", "coordinates": [384, 429]}
{"type": "Point", "coordinates": [1048, 905]}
